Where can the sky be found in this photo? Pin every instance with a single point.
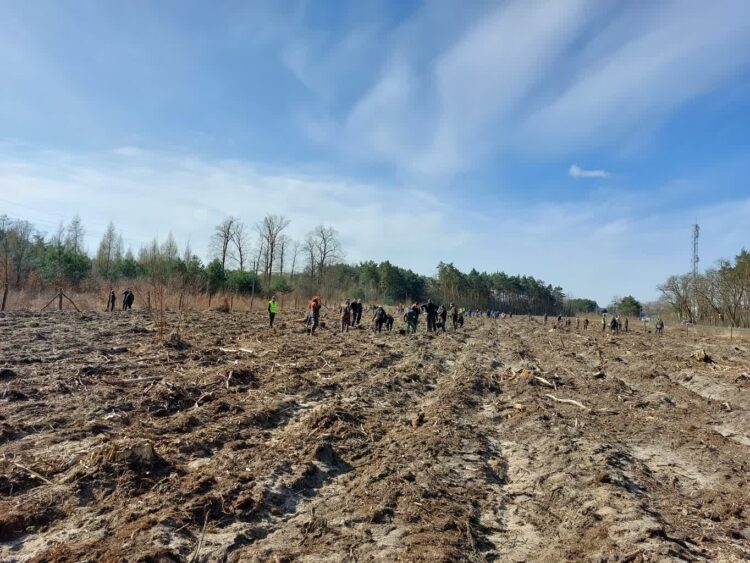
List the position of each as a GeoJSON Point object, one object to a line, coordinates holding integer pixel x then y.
{"type": "Point", "coordinates": [573, 140]}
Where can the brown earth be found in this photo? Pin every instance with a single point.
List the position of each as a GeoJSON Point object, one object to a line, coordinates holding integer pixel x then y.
{"type": "Point", "coordinates": [363, 447]}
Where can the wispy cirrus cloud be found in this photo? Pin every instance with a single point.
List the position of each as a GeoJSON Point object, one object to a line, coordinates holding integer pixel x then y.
{"type": "Point", "coordinates": [540, 78]}
{"type": "Point", "coordinates": [576, 171]}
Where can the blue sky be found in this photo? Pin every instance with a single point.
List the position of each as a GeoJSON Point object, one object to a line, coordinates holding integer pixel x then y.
{"type": "Point", "coordinates": [573, 140]}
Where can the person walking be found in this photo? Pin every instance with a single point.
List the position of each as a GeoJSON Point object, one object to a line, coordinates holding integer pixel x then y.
{"type": "Point", "coordinates": [345, 312]}
{"type": "Point", "coordinates": [112, 301]}
{"type": "Point", "coordinates": [313, 314]}
{"type": "Point", "coordinates": [273, 308]}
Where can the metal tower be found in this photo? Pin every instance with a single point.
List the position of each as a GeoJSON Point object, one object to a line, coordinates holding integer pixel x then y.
{"type": "Point", "coordinates": [696, 259]}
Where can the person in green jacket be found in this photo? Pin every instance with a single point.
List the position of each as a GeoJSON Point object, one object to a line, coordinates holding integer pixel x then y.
{"type": "Point", "coordinates": [273, 308]}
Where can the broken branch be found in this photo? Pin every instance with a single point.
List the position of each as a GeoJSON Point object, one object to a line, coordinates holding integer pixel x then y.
{"type": "Point", "coordinates": [568, 402]}
{"type": "Point", "coordinates": [33, 473]}
{"type": "Point", "coordinates": [545, 382]}
{"type": "Point", "coordinates": [246, 350]}
{"type": "Point", "coordinates": [136, 380]}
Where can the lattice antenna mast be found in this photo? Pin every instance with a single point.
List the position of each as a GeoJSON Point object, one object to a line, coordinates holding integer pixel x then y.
{"type": "Point", "coordinates": [696, 259]}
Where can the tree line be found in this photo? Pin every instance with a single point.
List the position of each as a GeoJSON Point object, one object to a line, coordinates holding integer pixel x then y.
{"type": "Point", "coordinates": [256, 260]}
{"type": "Point", "coordinates": [719, 295]}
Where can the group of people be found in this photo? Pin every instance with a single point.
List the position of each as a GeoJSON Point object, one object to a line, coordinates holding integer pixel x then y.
{"type": "Point", "coordinates": [615, 324]}
{"type": "Point", "coordinates": [436, 316]}
{"type": "Point", "coordinates": [128, 298]}
{"type": "Point", "coordinates": [567, 322]}
{"type": "Point", "coordinates": [350, 315]}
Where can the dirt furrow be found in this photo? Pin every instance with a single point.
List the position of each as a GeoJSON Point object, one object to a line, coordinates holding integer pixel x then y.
{"type": "Point", "coordinates": [505, 441]}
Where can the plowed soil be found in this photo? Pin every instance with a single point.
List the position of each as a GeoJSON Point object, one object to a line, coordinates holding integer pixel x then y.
{"type": "Point", "coordinates": [236, 442]}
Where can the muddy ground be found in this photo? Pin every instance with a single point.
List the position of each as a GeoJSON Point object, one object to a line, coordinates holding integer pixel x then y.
{"type": "Point", "coordinates": [364, 447]}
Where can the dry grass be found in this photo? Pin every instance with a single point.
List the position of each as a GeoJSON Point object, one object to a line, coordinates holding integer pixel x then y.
{"type": "Point", "coordinates": [162, 298]}
{"type": "Point", "coordinates": [260, 444]}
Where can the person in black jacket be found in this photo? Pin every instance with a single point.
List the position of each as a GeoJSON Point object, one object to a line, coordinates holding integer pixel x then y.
{"type": "Point", "coordinates": [379, 317]}
{"type": "Point", "coordinates": [443, 314]}
{"type": "Point", "coordinates": [454, 315]}
{"type": "Point", "coordinates": [412, 319]}
{"type": "Point", "coordinates": [347, 315]}
{"type": "Point", "coordinates": [430, 310]}
{"type": "Point", "coordinates": [129, 299]}
{"type": "Point", "coordinates": [313, 315]}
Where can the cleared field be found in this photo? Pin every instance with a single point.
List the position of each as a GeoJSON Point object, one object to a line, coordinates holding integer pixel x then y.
{"type": "Point", "coordinates": [505, 441]}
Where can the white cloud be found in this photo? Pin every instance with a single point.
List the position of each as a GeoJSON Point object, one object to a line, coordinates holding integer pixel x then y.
{"type": "Point", "coordinates": [482, 80]}
{"type": "Point", "coordinates": [671, 55]}
{"type": "Point", "coordinates": [542, 78]}
{"type": "Point", "coordinates": [128, 151]}
{"type": "Point", "coordinates": [150, 194]}
{"type": "Point", "coordinates": [605, 243]}
{"type": "Point", "coordinates": [577, 172]}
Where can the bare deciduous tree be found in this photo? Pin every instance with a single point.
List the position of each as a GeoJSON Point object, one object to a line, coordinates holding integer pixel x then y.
{"type": "Point", "coordinates": [5, 255]}
{"type": "Point", "coordinates": [676, 291]}
{"type": "Point", "coordinates": [257, 257]}
{"type": "Point", "coordinates": [296, 247]}
{"type": "Point", "coordinates": [222, 239]}
{"type": "Point", "coordinates": [310, 249]}
{"type": "Point", "coordinates": [718, 296]}
{"type": "Point", "coordinates": [241, 243]}
{"type": "Point", "coordinates": [269, 231]}
{"type": "Point", "coordinates": [283, 244]}
{"type": "Point", "coordinates": [323, 248]}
